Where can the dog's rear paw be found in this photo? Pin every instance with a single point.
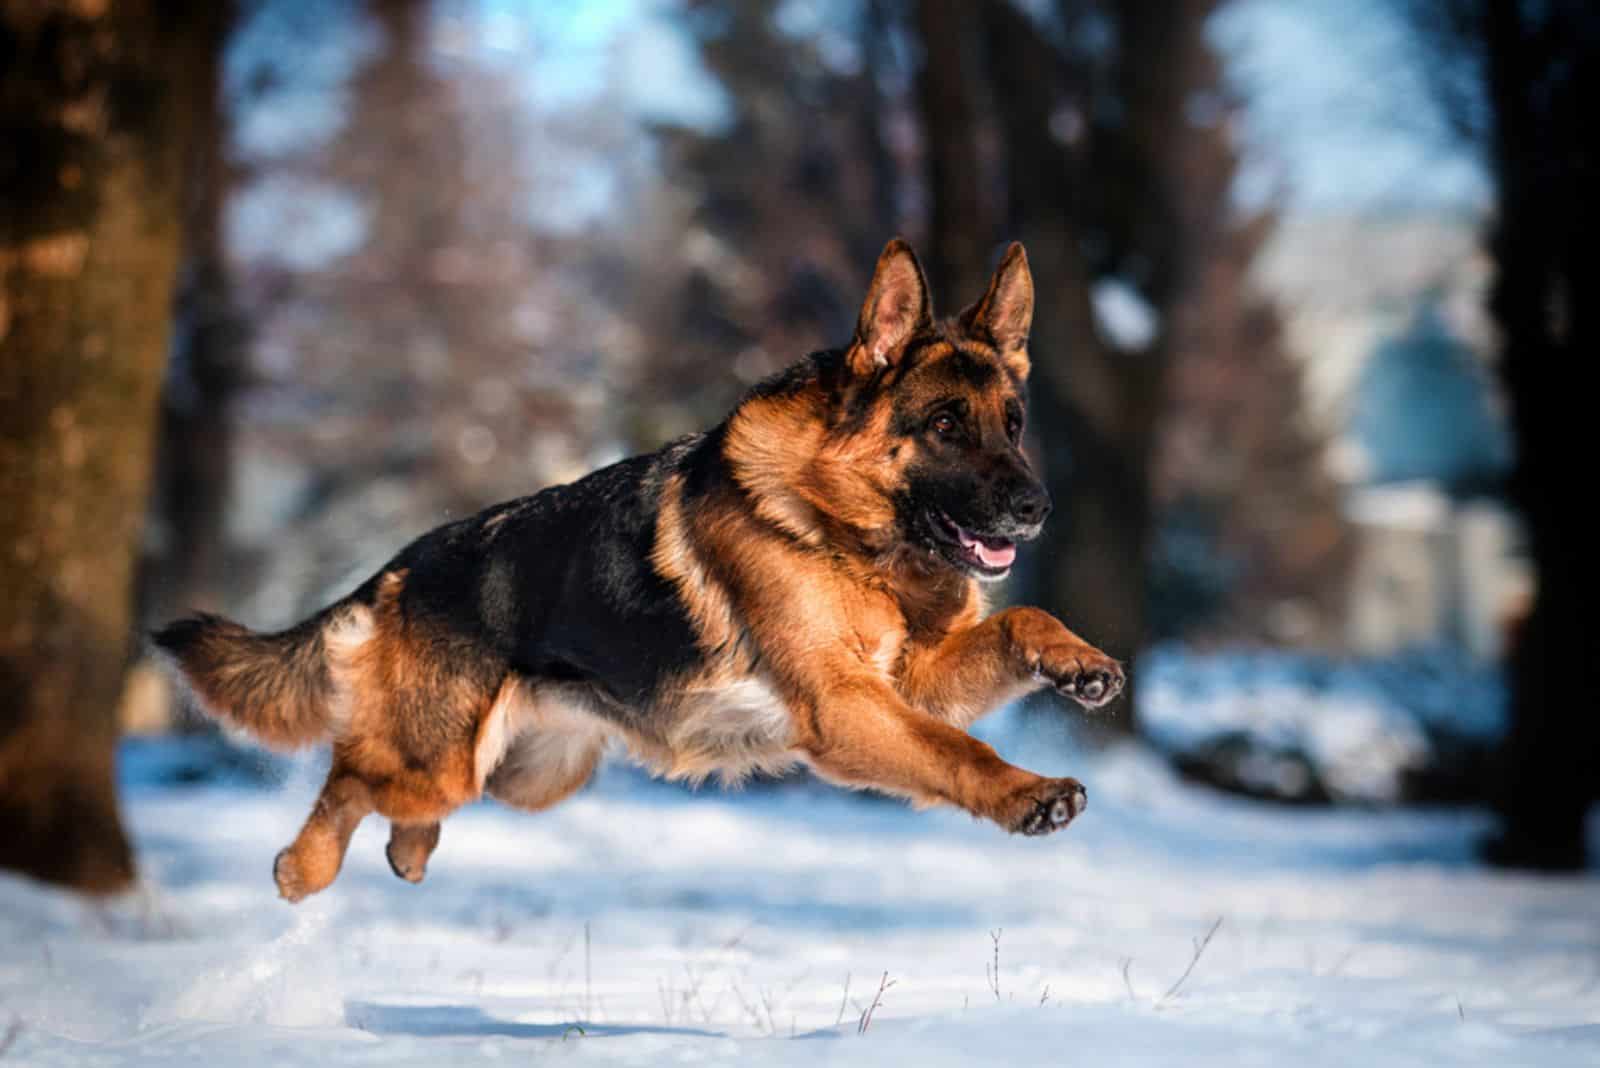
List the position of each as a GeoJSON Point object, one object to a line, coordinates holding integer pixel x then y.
{"type": "Point", "coordinates": [1049, 807]}
{"type": "Point", "coordinates": [410, 846]}
{"type": "Point", "coordinates": [406, 864]}
{"type": "Point", "coordinates": [292, 885]}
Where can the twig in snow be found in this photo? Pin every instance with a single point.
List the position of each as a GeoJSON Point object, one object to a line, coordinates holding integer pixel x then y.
{"type": "Point", "coordinates": [1044, 997]}
{"type": "Point", "coordinates": [843, 1000]}
{"type": "Point", "coordinates": [992, 973]}
{"type": "Point", "coordinates": [733, 943]}
{"type": "Point", "coordinates": [1461, 1012]}
{"type": "Point", "coordinates": [766, 1003]}
{"type": "Point", "coordinates": [745, 1004]}
{"type": "Point", "coordinates": [1199, 950]}
{"type": "Point", "coordinates": [1127, 981]}
{"type": "Point", "coordinates": [877, 999]}
{"type": "Point", "coordinates": [665, 992]}
{"type": "Point", "coordinates": [693, 993]}
{"type": "Point", "coordinates": [588, 989]}
{"type": "Point", "coordinates": [560, 958]}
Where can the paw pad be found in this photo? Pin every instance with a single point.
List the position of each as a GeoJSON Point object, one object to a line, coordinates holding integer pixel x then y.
{"type": "Point", "coordinates": [1063, 804]}
{"type": "Point", "coordinates": [1092, 687]}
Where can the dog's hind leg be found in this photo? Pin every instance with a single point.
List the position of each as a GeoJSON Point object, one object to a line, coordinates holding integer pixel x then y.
{"type": "Point", "coordinates": [312, 861]}
{"type": "Point", "coordinates": [410, 846]}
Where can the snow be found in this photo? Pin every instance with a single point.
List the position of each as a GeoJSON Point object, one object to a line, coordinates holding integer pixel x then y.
{"type": "Point", "coordinates": [1124, 317]}
{"type": "Point", "coordinates": [1299, 725]}
{"type": "Point", "coordinates": [643, 924]}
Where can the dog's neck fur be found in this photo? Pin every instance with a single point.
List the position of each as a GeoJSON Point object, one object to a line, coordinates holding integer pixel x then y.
{"type": "Point", "coordinates": [830, 493]}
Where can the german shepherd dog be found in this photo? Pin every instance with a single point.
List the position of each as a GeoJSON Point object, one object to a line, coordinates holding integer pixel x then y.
{"type": "Point", "coordinates": [800, 584]}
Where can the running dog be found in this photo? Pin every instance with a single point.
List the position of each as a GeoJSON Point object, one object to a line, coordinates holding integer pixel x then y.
{"type": "Point", "coordinates": [801, 584]}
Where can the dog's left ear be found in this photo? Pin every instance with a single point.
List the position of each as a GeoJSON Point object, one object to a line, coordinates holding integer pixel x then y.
{"type": "Point", "coordinates": [1005, 314]}
{"type": "Point", "coordinates": [897, 306]}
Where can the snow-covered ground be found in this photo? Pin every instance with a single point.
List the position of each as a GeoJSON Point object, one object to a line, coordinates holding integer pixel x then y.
{"type": "Point", "coordinates": [639, 924]}
{"type": "Point", "coordinates": [1306, 726]}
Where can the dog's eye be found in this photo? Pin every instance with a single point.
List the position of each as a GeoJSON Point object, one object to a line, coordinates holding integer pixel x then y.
{"type": "Point", "coordinates": [944, 425]}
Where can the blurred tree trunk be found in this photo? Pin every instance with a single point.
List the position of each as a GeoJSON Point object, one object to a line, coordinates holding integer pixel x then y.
{"type": "Point", "coordinates": [95, 116]}
{"type": "Point", "coordinates": [961, 232]}
{"type": "Point", "coordinates": [872, 116]}
{"type": "Point", "coordinates": [1543, 72]}
{"type": "Point", "coordinates": [195, 444]}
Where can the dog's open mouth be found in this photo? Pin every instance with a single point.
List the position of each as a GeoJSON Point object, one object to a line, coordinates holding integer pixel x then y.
{"type": "Point", "coordinates": [988, 555]}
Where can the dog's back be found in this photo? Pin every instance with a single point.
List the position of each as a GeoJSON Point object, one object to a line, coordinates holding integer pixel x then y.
{"type": "Point", "coordinates": [556, 585]}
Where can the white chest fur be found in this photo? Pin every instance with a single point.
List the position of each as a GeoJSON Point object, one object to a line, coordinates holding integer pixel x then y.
{"type": "Point", "coordinates": [732, 728]}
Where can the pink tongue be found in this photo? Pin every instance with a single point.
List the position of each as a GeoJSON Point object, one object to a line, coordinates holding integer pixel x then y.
{"type": "Point", "coordinates": [995, 557]}
{"type": "Point", "coordinates": [991, 557]}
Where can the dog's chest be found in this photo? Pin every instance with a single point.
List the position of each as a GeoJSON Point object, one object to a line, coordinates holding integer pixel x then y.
{"type": "Point", "coordinates": [731, 726]}
{"type": "Point", "coordinates": [744, 712]}
{"type": "Point", "coordinates": [733, 720]}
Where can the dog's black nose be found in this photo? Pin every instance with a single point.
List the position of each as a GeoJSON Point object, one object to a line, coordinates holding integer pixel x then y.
{"type": "Point", "coordinates": [1029, 502]}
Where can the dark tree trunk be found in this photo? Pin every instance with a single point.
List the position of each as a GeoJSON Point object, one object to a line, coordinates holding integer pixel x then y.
{"type": "Point", "coordinates": [961, 233]}
{"type": "Point", "coordinates": [95, 117]}
{"type": "Point", "coordinates": [195, 443]}
{"type": "Point", "coordinates": [877, 46]}
{"type": "Point", "coordinates": [1544, 71]}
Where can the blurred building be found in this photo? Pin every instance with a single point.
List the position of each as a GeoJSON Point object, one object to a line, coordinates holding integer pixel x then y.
{"type": "Point", "coordinates": [1387, 313]}
{"type": "Point", "coordinates": [1429, 568]}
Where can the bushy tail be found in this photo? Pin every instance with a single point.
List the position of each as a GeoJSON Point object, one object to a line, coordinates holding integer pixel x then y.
{"type": "Point", "coordinates": [277, 687]}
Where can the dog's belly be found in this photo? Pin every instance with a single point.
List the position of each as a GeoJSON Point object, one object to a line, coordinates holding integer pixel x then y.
{"type": "Point", "coordinates": [731, 728]}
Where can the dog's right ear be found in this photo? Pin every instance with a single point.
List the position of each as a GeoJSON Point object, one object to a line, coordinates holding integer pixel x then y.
{"type": "Point", "coordinates": [897, 306]}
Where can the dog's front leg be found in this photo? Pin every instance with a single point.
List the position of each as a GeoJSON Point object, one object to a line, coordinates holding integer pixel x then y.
{"type": "Point", "coordinates": [1001, 658]}
{"type": "Point", "coordinates": [857, 731]}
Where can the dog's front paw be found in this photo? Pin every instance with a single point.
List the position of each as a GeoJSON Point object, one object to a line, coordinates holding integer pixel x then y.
{"type": "Point", "coordinates": [1082, 673]}
{"type": "Point", "coordinates": [1048, 806]}
{"type": "Point", "coordinates": [1045, 649]}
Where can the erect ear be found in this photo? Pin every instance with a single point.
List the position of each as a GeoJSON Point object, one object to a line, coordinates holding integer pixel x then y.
{"type": "Point", "coordinates": [1005, 314]}
{"type": "Point", "coordinates": [896, 307]}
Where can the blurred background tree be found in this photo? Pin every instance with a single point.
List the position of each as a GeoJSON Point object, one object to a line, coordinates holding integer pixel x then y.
{"type": "Point", "coordinates": [95, 109]}
{"type": "Point", "coordinates": [1515, 80]}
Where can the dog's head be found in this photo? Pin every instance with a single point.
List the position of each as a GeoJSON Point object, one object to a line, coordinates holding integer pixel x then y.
{"type": "Point", "coordinates": [957, 402]}
{"type": "Point", "coordinates": [911, 438]}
